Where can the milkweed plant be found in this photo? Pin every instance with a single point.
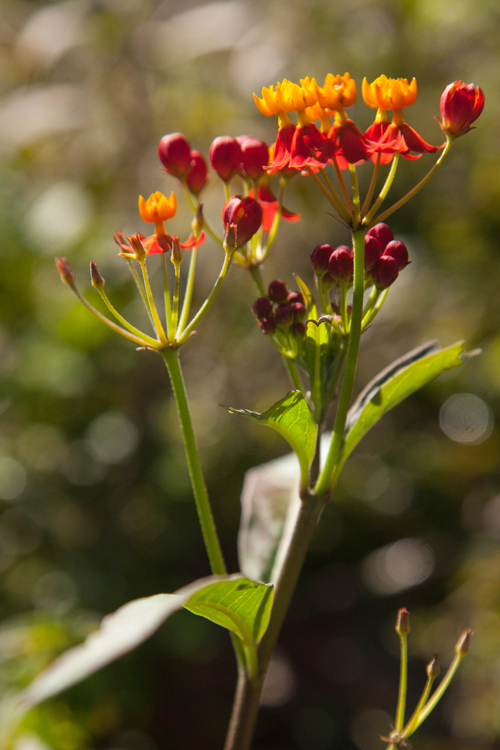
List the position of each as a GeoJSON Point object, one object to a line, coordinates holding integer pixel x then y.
{"type": "Point", "coordinates": [316, 329]}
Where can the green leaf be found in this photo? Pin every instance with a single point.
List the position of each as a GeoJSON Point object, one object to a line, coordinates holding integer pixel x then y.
{"type": "Point", "coordinates": [292, 418]}
{"type": "Point", "coordinates": [236, 603]}
{"type": "Point", "coordinates": [321, 359]}
{"type": "Point", "coordinates": [308, 298]}
{"type": "Point", "coordinates": [403, 377]}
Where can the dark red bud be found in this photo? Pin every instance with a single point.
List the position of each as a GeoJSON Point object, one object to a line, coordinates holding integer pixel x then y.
{"type": "Point", "coordinates": [298, 329]}
{"type": "Point", "coordinates": [372, 251]}
{"type": "Point", "coordinates": [320, 257]}
{"type": "Point", "coordinates": [296, 297]}
{"type": "Point", "coordinates": [96, 279]}
{"type": "Point", "coordinates": [284, 314]}
{"type": "Point", "coordinates": [225, 156]}
{"type": "Point", "coordinates": [399, 252]}
{"type": "Point", "coordinates": [277, 291]}
{"type": "Point", "coordinates": [382, 233]}
{"type": "Point", "coordinates": [245, 215]}
{"type": "Point", "coordinates": [65, 271]}
{"type": "Point", "coordinates": [268, 325]}
{"type": "Point", "coordinates": [341, 264]}
{"type": "Point", "coordinates": [262, 307]}
{"type": "Point", "coordinates": [175, 154]}
{"type": "Point", "coordinates": [197, 175]}
{"type": "Point", "coordinates": [299, 311]}
{"type": "Point", "coordinates": [255, 155]}
{"type": "Point", "coordinates": [385, 272]}
{"type": "Point", "coordinates": [327, 280]}
{"type": "Point", "coordinates": [403, 621]}
{"type": "Point", "coordinates": [461, 104]}
{"type": "Point", "coordinates": [433, 667]}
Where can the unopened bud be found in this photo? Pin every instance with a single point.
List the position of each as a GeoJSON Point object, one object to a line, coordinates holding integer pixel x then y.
{"type": "Point", "coordinates": [95, 276]}
{"type": "Point", "coordinates": [137, 246]}
{"type": "Point", "coordinates": [341, 264]}
{"type": "Point", "coordinates": [197, 175]}
{"type": "Point", "coordinates": [299, 310]}
{"type": "Point", "coordinates": [320, 257]}
{"type": "Point", "coordinates": [403, 621]}
{"type": "Point", "coordinates": [382, 233]}
{"type": "Point", "coordinates": [284, 314]}
{"type": "Point", "coordinates": [277, 291]}
{"type": "Point", "coordinates": [255, 155]}
{"type": "Point", "coordinates": [372, 251]}
{"type": "Point", "coordinates": [176, 256]}
{"type": "Point", "coordinates": [225, 156]}
{"type": "Point", "coordinates": [245, 215]}
{"type": "Point", "coordinates": [268, 325]}
{"type": "Point", "coordinates": [65, 271]}
{"type": "Point", "coordinates": [296, 297]}
{"type": "Point", "coordinates": [298, 329]}
{"type": "Point", "coordinates": [198, 221]}
{"type": "Point", "coordinates": [463, 644]}
{"type": "Point", "coordinates": [399, 252]}
{"type": "Point", "coordinates": [174, 152]}
{"type": "Point", "coordinates": [433, 669]}
{"type": "Point", "coordinates": [262, 307]}
{"type": "Point", "coordinates": [385, 272]}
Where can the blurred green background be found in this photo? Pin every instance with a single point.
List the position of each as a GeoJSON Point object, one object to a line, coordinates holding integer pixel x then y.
{"type": "Point", "coordinates": [95, 503]}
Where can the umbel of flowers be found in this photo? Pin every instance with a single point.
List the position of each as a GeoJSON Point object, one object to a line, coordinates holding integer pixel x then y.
{"type": "Point", "coordinates": [316, 327]}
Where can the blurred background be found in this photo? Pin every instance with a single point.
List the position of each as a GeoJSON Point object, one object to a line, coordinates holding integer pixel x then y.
{"type": "Point", "coordinates": [95, 503]}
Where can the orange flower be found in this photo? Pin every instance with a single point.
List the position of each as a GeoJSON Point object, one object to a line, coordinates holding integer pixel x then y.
{"type": "Point", "coordinates": [389, 93]}
{"type": "Point", "coordinates": [157, 208]}
{"type": "Point", "coordinates": [337, 92]}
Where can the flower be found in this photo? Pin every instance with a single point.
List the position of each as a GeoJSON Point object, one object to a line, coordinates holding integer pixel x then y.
{"type": "Point", "coordinates": [337, 92]}
{"type": "Point", "coordinates": [241, 217]}
{"type": "Point", "coordinates": [174, 152]}
{"type": "Point", "coordinates": [255, 155]}
{"type": "Point", "coordinates": [461, 104]}
{"type": "Point", "coordinates": [157, 208]}
{"type": "Point", "coordinates": [389, 93]}
{"type": "Point", "coordinates": [270, 204]}
{"type": "Point", "coordinates": [225, 156]}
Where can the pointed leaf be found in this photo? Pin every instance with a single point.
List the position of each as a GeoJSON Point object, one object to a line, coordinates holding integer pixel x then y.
{"type": "Point", "coordinates": [405, 376]}
{"type": "Point", "coordinates": [292, 418]}
{"type": "Point", "coordinates": [237, 603]}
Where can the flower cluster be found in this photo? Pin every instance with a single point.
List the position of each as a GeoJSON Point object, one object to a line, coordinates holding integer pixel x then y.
{"type": "Point", "coordinates": [281, 310]}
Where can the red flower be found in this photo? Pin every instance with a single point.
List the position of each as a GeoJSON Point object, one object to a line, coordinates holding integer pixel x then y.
{"type": "Point", "coordinates": [282, 149]}
{"type": "Point", "coordinates": [353, 144]}
{"type": "Point", "coordinates": [401, 137]}
{"type": "Point", "coordinates": [461, 104]}
{"type": "Point", "coordinates": [243, 216]}
{"type": "Point", "coordinates": [269, 204]}
{"type": "Point", "coordinates": [156, 244]}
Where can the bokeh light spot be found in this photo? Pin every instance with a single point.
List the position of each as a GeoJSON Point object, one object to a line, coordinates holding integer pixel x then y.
{"type": "Point", "coordinates": [466, 418]}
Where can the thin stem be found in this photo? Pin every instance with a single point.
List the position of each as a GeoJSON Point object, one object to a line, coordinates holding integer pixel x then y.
{"type": "Point", "coordinates": [208, 302]}
{"type": "Point", "coordinates": [338, 207]}
{"type": "Point", "coordinates": [140, 287]}
{"type": "Point", "coordinates": [188, 294]}
{"type": "Point", "coordinates": [257, 277]}
{"type": "Point", "coordinates": [110, 324]}
{"type": "Point", "coordinates": [166, 294]}
{"type": "Point", "coordinates": [326, 306]}
{"type": "Point", "coordinates": [154, 312]}
{"type": "Point", "coordinates": [403, 682]}
{"type": "Point", "coordinates": [345, 192]}
{"type": "Point", "coordinates": [125, 323]}
{"type": "Point", "coordinates": [226, 188]}
{"type": "Point", "coordinates": [355, 196]}
{"type": "Point", "coordinates": [175, 301]}
{"type": "Point", "coordinates": [385, 189]}
{"type": "Point", "coordinates": [439, 691]}
{"type": "Point", "coordinates": [293, 372]}
{"type": "Point", "coordinates": [376, 308]}
{"type": "Point", "coordinates": [332, 190]}
{"type": "Point", "coordinates": [276, 221]}
{"type": "Point", "coordinates": [326, 475]}
{"type": "Point", "coordinates": [343, 306]}
{"type": "Point", "coordinates": [418, 187]}
{"type": "Point", "coordinates": [371, 189]}
{"type": "Point", "coordinates": [412, 723]}
{"type": "Point", "coordinates": [206, 225]}
{"type": "Point", "coordinates": [210, 537]}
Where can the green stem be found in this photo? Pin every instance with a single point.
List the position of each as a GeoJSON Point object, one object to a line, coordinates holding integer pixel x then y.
{"type": "Point", "coordinates": [371, 189]}
{"type": "Point", "coordinates": [276, 222]}
{"type": "Point", "coordinates": [345, 192]}
{"type": "Point", "coordinates": [414, 191]}
{"type": "Point", "coordinates": [334, 194]}
{"type": "Point", "coordinates": [109, 323]}
{"type": "Point", "coordinates": [166, 294]}
{"type": "Point", "coordinates": [212, 544]}
{"type": "Point", "coordinates": [338, 207]}
{"type": "Point", "coordinates": [355, 196]}
{"type": "Point", "coordinates": [154, 312]}
{"type": "Point", "coordinates": [403, 683]}
{"type": "Point", "coordinates": [208, 302]}
{"type": "Point", "coordinates": [125, 323]}
{"type": "Point", "coordinates": [412, 723]}
{"type": "Point", "coordinates": [377, 306]}
{"type": "Point", "coordinates": [326, 475]}
{"type": "Point", "coordinates": [140, 287]}
{"type": "Point", "coordinates": [175, 300]}
{"type": "Point", "coordinates": [293, 372]}
{"type": "Point", "coordinates": [228, 192]}
{"type": "Point", "coordinates": [188, 295]}
{"type": "Point", "coordinates": [206, 225]}
{"type": "Point", "coordinates": [439, 692]}
{"type": "Point", "coordinates": [383, 193]}
{"type": "Point", "coordinates": [257, 277]}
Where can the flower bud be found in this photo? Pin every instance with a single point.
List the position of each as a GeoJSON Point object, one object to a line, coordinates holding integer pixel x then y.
{"type": "Point", "coordinates": [284, 314]}
{"type": "Point", "coordinates": [298, 329]}
{"type": "Point", "coordinates": [277, 291]}
{"type": "Point", "coordinates": [341, 264]}
{"type": "Point", "coordinates": [95, 276]}
{"type": "Point", "coordinates": [197, 175]}
{"type": "Point", "coordinates": [320, 257]}
{"type": "Point", "coordinates": [262, 307]}
{"type": "Point", "coordinates": [175, 154]}
{"type": "Point", "coordinates": [385, 272]}
{"type": "Point", "coordinates": [403, 621]}
{"type": "Point", "coordinates": [372, 251]}
{"type": "Point", "coordinates": [299, 310]}
{"type": "Point", "coordinates": [382, 233]}
{"type": "Point", "coordinates": [225, 156]}
{"type": "Point", "coordinates": [137, 246]}
{"type": "Point", "coordinates": [433, 669]}
{"type": "Point", "coordinates": [245, 215]}
{"type": "Point", "coordinates": [65, 271]}
{"type": "Point", "coordinates": [399, 252]}
{"type": "Point", "coordinates": [296, 297]}
{"type": "Point", "coordinates": [268, 325]}
{"type": "Point", "coordinates": [255, 155]}
{"type": "Point", "coordinates": [198, 221]}
{"type": "Point", "coordinates": [176, 256]}
{"type": "Point", "coordinates": [461, 104]}
{"type": "Point", "coordinates": [463, 644]}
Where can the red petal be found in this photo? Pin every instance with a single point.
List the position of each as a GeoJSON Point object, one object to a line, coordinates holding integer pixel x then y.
{"type": "Point", "coordinates": [192, 241]}
{"type": "Point", "coordinates": [282, 149]}
{"type": "Point", "coordinates": [415, 142]}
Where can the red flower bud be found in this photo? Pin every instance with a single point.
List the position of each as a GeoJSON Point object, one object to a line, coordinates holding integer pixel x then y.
{"type": "Point", "coordinates": [385, 272]}
{"type": "Point", "coordinates": [372, 251]}
{"type": "Point", "coordinates": [320, 257]}
{"type": "Point", "coordinates": [461, 104]}
{"type": "Point", "coordinates": [298, 329]}
{"type": "Point", "coordinates": [341, 264]}
{"type": "Point", "coordinates": [299, 310]}
{"type": "Point", "coordinates": [262, 307]}
{"type": "Point", "coordinates": [175, 154]}
{"type": "Point", "coordinates": [399, 252]}
{"type": "Point", "coordinates": [284, 314]}
{"type": "Point", "coordinates": [268, 325]}
{"type": "Point", "coordinates": [197, 175]}
{"type": "Point", "coordinates": [225, 156]}
{"type": "Point", "coordinates": [244, 215]}
{"type": "Point", "coordinates": [296, 297]}
{"type": "Point", "coordinates": [277, 291]}
{"type": "Point", "coordinates": [255, 155]}
{"type": "Point", "coordinates": [96, 279]}
{"type": "Point", "coordinates": [382, 233]}
{"type": "Point", "coordinates": [65, 271]}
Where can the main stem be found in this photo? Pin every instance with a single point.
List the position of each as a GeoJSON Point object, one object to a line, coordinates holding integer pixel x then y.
{"type": "Point", "coordinates": [211, 539]}
{"type": "Point", "coordinates": [246, 703]}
